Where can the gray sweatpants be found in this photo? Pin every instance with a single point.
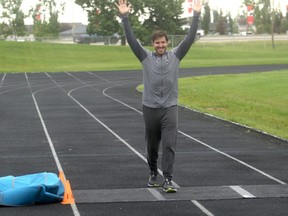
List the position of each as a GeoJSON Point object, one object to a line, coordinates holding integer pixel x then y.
{"type": "Point", "coordinates": [161, 125]}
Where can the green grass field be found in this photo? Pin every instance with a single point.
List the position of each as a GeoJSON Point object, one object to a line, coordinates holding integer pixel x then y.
{"type": "Point", "coordinates": [45, 57]}
{"type": "Point", "coordinates": [242, 53]}
{"type": "Point", "coordinates": [258, 100]}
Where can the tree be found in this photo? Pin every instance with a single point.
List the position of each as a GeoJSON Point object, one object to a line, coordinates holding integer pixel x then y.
{"type": "Point", "coordinates": [13, 18]}
{"type": "Point", "coordinates": [5, 30]}
{"type": "Point", "coordinates": [45, 16]}
{"type": "Point", "coordinates": [278, 17]}
{"type": "Point", "coordinates": [242, 20]}
{"type": "Point", "coordinates": [164, 15]}
{"type": "Point", "coordinates": [286, 20]}
{"type": "Point", "coordinates": [262, 15]}
{"type": "Point", "coordinates": [146, 17]}
{"type": "Point", "coordinates": [221, 26]}
{"type": "Point", "coordinates": [101, 16]}
{"type": "Point", "coordinates": [284, 25]}
{"type": "Point", "coordinates": [265, 17]}
{"type": "Point", "coordinates": [233, 28]}
{"type": "Point", "coordinates": [216, 16]}
{"type": "Point", "coordinates": [287, 13]}
{"type": "Point", "coordinates": [248, 2]}
{"type": "Point", "coordinates": [206, 20]}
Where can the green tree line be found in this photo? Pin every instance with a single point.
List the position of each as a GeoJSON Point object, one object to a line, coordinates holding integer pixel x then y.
{"type": "Point", "coordinates": [146, 16]}
{"type": "Point", "coordinates": [44, 14]}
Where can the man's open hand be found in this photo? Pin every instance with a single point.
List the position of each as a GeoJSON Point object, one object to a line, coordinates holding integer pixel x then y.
{"type": "Point", "coordinates": [197, 6]}
{"type": "Point", "coordinates": [123, 7]}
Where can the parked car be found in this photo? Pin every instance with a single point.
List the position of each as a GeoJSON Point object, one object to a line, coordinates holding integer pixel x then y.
{"type": "Point", "coordinates": [88, 39]}
{"type": "Point", "coordinates": [246, 33]}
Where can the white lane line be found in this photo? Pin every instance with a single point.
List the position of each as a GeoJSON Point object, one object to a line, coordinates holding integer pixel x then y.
{"type": "Point", "coordinates": [93, 74]}
{"type": "Point", "coordinates": [11, 90]}
{"type": "Point", "coordinates": [244, 193]}
{"type": "Point", "coordinates": [56, 83]}
{"type": "Point", "coordinates": [205, 144]}
{"type": "Point", "coordinates": [2, 80]}
{"type": "Point", "coordinates": [202, 208]}
{"type": "Point", "coordinates": [54, 153]}
{"type": "Point", "coordinates": [59, 167]}
{"type": "Point", "coordinates": [130, 107]}
{"type": "Point", "coordinates": [104, 125]}
{"type": "Point", "coordinates": [156, 194]}
{"type": "Point", "coordinates": [235, 159]}
{"type": "Point", "coordinates": [76, 78]}
{"type": "Point", "coordinates": [19, 87]}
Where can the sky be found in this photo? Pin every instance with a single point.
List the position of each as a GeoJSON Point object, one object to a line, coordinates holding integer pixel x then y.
{"type": "Point", "coordinates": [74, 13]}
{"type": "Point", "coordinates": [235, 7]}
{"type": "Point", "coordinates": [226, 6]}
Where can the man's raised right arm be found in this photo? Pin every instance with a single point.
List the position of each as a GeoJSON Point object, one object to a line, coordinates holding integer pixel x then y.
{"type": "Point", "coordinates": [131, 39]}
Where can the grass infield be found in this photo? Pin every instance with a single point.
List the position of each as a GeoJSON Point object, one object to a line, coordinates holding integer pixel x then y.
{"type": "Point", "coordinates": [257, 100]}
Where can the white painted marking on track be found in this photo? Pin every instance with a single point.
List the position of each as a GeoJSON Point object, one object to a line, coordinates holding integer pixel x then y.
{"type": "Point", "coordinates": [105, 126]}
{"type": "Point", "coordinates": [76, 78]}
{"type": "Point", "coordinates": [119, 100]}
{"type": "Point", "coordinates": [19, 87]}
{"type": "Point", "coordinates": [54, 153]}
{"type": "Point", "coordinates": [44, 126]}
{"type": "Point", "coordinates": [108, 81]}
{"type": "Point", "coordinates": [235, 159]}
{"type": "Point", "coordinates": [56, 83]}
{"type": "Point", "coordinates": [156, 194]}
{"type": "Point", "coordinates": [8, 91]}
{"type": "Point", "coordinates": [2, 80]}
{"type": "Point", "coordinates": [202, 208]}
{"type": "Point", "coordinates": [205, 144]}
{"type": "Point", "coordinates": [244, 193]}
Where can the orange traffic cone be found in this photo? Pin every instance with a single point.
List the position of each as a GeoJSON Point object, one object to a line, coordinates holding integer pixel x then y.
{"type": "Point", "coordinates": [68, 197]}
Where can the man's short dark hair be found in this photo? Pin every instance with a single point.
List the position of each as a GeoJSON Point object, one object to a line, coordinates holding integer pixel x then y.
{"type": "Point", "coordinates": [158, 34]}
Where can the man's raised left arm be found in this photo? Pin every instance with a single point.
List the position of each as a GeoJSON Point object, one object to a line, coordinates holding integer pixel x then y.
{"type": "Point", "coordinates": [185, 45]}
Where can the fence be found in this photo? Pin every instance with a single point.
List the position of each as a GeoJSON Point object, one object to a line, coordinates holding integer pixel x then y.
{"type": "Point", "coordinates": [174, 40]}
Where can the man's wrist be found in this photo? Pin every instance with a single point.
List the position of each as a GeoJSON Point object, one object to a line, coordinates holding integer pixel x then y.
{"type": "Point", "coordinates": [124, 15]}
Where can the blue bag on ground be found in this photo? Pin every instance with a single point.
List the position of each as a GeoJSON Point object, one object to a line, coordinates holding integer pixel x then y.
{"type": "Point", "coordinates": [31, 189]}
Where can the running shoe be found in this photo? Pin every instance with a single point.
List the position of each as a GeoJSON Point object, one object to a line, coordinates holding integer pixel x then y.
{"type": "Point", "coordinates": [153, 180]}
{"type": "Point", "coordinates": [168, 186]}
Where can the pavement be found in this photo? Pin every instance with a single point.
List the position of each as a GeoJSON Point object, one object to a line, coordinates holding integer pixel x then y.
{"type": "Point", "coordinates": [90, 126]}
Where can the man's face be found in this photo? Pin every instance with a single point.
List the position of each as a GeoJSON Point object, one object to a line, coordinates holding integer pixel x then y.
{"type": "Point", "coordinates": [160, 45]}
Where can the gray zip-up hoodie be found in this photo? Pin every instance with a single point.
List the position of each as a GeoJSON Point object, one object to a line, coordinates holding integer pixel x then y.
{"type": "Point", "coordinates": [160, 73]}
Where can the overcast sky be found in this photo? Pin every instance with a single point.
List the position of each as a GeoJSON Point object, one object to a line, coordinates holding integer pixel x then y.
{"type": "Point", "coordinates": [74, 13]}
{"type": "Point", "coordinates": [235, 7]}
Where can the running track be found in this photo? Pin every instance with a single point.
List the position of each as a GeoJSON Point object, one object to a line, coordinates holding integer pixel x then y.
{"type": "Point", "coordinates": [90, 126]}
